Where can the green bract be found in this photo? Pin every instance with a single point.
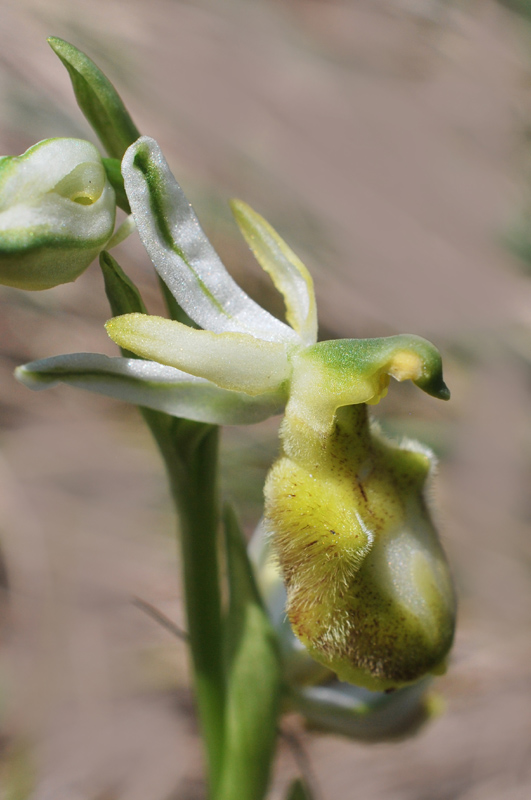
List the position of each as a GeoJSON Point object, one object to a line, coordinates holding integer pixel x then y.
{"type": "Point", "coordinates": [57, 212]}
{"type": "Point", "coordinates": [368, 586]}
{"type": "Point", "coordinates": [97, 98]}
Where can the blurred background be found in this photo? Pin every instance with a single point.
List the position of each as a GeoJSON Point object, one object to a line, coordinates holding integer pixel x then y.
{"type": "Point", "coordinates": [389, 142]}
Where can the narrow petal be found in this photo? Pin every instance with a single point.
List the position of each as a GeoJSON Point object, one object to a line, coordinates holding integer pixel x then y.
{"type": "Point", "coordinates": [234, 361]}
{"type": "Point", "coordinates": [182, 254]}
{"type": "Point", "coordinates": [286, 270]}
{"type": "Point", "coordinates": [145, 383]}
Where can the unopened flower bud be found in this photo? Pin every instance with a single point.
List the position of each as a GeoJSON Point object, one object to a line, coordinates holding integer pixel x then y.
{"type": "Point", "coordinates": [369, 589]}
{"type": "Point", "coordinates": [57, 212]}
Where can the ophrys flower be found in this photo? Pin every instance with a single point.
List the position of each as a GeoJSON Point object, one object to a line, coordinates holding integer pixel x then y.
{"type": "Point", "coordinates": [369, 591]}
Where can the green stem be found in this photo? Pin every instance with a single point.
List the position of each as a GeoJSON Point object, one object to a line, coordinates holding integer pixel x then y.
{"type": "Point", "coordinates": [190, 453]}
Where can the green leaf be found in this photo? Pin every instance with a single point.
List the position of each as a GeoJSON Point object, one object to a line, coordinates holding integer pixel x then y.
{"type": "Point", "coordinates": [299, 790]}
{"type": "Point", "coordinates": [114, 174]}
{"type": "Point", "coordinates": [253, 679]}
{"type": "Point", "coordinates": [98, 99]}
{"type": "Point", "coordinates": [122, 294]}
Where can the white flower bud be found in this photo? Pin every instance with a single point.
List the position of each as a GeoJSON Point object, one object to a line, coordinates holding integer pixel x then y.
{"type": "Point", "coordinates": [57, 212]}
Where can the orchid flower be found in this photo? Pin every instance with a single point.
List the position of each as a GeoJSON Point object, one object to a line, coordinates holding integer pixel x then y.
{"type": "Point", "coordinates": [368, 586]}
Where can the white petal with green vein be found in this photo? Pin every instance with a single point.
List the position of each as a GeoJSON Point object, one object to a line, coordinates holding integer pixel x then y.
{"type": "Point", "coordinates": [182, 254]}
{"type": "Point", "coordinates": [152, 385]}
{"type": "Point", "coordinates": [234, 361]}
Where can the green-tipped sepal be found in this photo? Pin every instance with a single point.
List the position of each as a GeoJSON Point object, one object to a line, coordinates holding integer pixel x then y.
{"type": "Point", "coordinates": [57, 212]}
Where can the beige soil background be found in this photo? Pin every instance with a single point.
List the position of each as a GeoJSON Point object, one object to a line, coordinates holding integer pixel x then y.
{"type": "Point", "coordinates": [388, 141]}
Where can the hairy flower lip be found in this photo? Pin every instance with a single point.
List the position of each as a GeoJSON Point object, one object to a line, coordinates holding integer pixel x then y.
{"type": "Point", "coordinates": [369, 589]}
{"type": "Point", "coordinates": [326, 703]}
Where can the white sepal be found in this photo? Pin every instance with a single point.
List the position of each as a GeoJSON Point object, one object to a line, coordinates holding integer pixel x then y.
{"type": "Point", "coordinates": [146, 383]}
{"type": "Point", "coordinates": [182, 254]}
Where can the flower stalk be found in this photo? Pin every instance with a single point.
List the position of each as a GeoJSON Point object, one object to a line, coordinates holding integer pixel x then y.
{"type": "Point", "coordinates": [190, 454]}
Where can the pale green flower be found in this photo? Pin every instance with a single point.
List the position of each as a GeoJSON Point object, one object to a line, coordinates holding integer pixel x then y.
{"type": "Point", "coordinates": [57, 211]}
{"type": "Point", "coordinates": [368, 587]}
